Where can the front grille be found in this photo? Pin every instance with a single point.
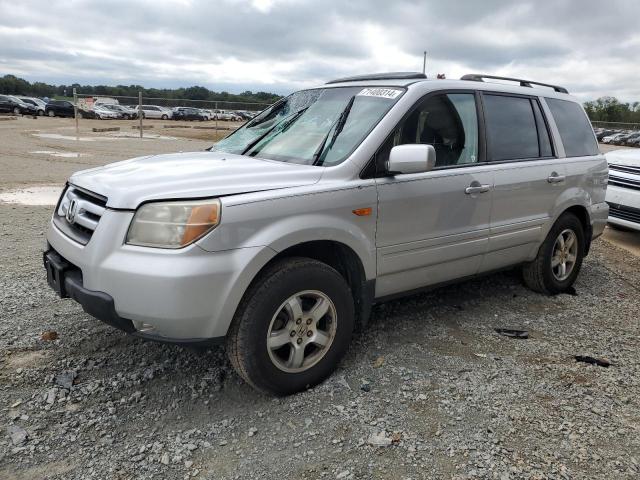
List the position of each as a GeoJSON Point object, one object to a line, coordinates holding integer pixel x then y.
{"type": "Point", "coordinates": [631, 183]}
{"type": "Point", "coordinates": [625, 168]}
{"type": "Point", "coordinates": [624, 213]}
{"type": "Point", "coordinates": [78, 213]}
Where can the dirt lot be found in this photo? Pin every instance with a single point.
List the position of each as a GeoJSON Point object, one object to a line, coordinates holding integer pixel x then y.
{"type": "Point", "coordinates": [45, 150]}
{"type": "Point", "coordinates": [429, 390]}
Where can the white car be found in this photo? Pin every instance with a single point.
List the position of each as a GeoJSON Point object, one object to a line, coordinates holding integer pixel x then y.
{"type": "Point", "coordinates": [623, 192]}
{"type": "Point", "coordinates": [40, 105]}
{"type": "Point", "coordinates": [611, 138]}
{"type": "Point", "coordinates": [222, 115]}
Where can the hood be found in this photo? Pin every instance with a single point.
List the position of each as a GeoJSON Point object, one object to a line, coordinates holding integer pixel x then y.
{"type": "Point", "coordinates": [190, 175]}
{"type": "Point", "coordinates": [625, 156]}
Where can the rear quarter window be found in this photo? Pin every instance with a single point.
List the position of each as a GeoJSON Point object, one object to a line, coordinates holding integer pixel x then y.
{"type": "Point", "coordinates": [574, 127]}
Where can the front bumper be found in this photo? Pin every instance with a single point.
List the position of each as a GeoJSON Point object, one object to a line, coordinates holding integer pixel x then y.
{"type": "Point", "coordinates": [176, 295]}
{"type": "Point", "coordinates": [624, 206]}
{"type": "Point", "coordinates": [66, 280]}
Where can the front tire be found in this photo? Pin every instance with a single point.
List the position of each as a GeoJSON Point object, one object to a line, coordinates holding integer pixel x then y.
{"type": "Point", "coordinates": [164, 117]}
{"type": "Point", "coordinates": [52, 113]}
{"type": "Point", "coordinates": [292, 327]}
{"type": "Point", "coordinates": [559, 258]}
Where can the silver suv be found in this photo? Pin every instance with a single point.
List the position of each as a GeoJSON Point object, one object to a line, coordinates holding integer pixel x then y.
{"type": "Point", "coordinates": [281, 237]}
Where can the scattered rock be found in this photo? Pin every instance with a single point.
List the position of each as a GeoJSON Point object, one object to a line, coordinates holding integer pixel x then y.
{"type": "Point", "coordinates": [379, 439]}
{"type": "Point", "coordinates": [66, 379]}
{"type": "Point", "coordinates": [17, 434]}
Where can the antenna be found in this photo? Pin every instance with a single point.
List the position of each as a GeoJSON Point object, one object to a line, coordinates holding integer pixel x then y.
{"type": "Point", "coordinates": [424, 62]}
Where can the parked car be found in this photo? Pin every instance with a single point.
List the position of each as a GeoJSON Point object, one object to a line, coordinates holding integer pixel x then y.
{"type": "Point", "coordinates": [59, 108]}
{"type": "Point", "coordinates": [631, 140]}
{"type": "Point", "coordinates": [188, 113]}
{"type": "Point", "coordinates": [279, 239]}
{"type": "Point", "coordinates": [39, 104]}
{"type": "Point", "coordinates": [623, 192]}
{"type": "Point", "coordinates": [124, 111]}
{"type": "Point", "coordinates": [11, 104]}
{"type": "Point", "coordinates": [612, 138]}
{"type": "Point", "coordinates": [205, 113]}
{"type": "Point", "coordinates": [222, 115]}
{"type": "Point", "coordinates": [604, 133]}
{"type": "Point", "coordinates": [107, 112]}
{"type": "Point", "coordinates": [622, 139]}
{"type": "Point", "coordinates": [155, 111]}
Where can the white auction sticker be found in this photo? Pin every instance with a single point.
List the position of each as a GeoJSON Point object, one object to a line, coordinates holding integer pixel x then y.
{"type": "Point", "coordinates": [380, 92]}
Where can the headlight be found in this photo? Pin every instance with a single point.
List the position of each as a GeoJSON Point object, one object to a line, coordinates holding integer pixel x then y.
{"type": "Point", "coordinates": [173, 224]}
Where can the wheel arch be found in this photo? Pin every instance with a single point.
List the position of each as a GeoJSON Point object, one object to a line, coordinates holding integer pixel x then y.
{"type": "Point", "coordinates": [582, 213]}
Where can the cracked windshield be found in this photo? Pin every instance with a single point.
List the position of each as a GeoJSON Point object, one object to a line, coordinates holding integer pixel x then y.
{"type": "Point", "coordinates": [313, 127]}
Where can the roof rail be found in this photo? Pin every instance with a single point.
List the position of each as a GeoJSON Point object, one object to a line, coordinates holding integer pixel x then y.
{"type": "Point", "coordinates": [477, 77]}
{"type": "Point", "coordinates": [382, 76]}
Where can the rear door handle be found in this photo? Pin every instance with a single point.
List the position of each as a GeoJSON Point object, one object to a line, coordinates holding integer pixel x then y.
{"type": "Point", "coordinates": [555, 178]}
{"type": "Point", "coordinates": [477, 188]}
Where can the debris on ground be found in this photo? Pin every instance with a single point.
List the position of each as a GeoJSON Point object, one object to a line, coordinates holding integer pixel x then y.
{"type": "Point", "coordinates": [601, 362]}
{"type": "Point", "coordinates": [508, 332]}
{"type": "Point", "coordinates": [49, 336]}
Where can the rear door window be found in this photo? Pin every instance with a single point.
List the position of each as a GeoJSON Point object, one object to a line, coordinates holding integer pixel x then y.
{"type": "Point", "coordinates": [511, 128]}
{"type": "Point", "coordinates": [574, 127]}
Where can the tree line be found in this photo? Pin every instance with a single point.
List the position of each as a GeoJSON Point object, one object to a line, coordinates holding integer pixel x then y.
{"type": "Point", "coordinates": [610, 109]}
{"type": "Point", "coordinates": [12, 85]}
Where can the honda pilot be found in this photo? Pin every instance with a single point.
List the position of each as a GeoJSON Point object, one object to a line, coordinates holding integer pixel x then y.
{"type": "Point", "coordinates": [280, 238]}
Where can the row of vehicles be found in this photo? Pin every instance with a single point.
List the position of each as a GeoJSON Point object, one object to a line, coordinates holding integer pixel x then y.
{"type": "Point", "coordinates": [19, 105]}
{"type": "Point", "coordinates": [626, 138]}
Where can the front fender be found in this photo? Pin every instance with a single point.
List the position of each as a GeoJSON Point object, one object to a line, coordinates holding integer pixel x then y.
{"type": "Point", "coordinates": [283, 222]}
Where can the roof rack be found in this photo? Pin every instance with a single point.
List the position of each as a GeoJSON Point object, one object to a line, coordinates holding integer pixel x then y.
{"type": "Point", "coordinates": [382, 76]}
{"type": "Point", "coordinates": [476, 77]}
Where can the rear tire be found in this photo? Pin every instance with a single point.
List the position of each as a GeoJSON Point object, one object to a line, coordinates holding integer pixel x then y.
{"type": "Point", "coordinates": [564, 245]}
{"type": "Point", "coordinates": [277, 342]}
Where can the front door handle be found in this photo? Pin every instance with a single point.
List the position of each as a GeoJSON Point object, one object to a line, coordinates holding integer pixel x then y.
{"type": "Point", "coordinates": [476, 187]}
{"type": "Point", "coordinates": [555, 178]}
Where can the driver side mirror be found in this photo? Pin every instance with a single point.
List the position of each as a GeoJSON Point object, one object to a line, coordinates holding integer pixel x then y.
{"type": "Point", "coordinates": [411, 158]}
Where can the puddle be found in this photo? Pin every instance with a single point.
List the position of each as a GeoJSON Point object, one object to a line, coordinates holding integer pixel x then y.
{"type": "Point", "coordinates": [57, 136]}
{"type": "Point", "coordinates": [37, 195]}
{"type": "Point", "coordinates": [153, 136]}
{"type": "Point", "coordinates": [53, 153]}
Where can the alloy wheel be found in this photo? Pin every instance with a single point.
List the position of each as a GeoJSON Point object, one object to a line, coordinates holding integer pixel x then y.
{"type": "Point", "coordinates": [301, 331]}
{"type": "Point", "coordinates": [565, 254]}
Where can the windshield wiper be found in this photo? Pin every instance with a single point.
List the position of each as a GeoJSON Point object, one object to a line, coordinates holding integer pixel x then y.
{"type": "Point", "coordinates": [339, 124]}
{"type": "Point", "coordinates": [287, 122]}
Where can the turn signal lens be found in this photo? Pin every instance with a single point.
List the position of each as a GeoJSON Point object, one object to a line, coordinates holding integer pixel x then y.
{"type": "Point", "coordinates": [363, 212]}
{"type": "Point", "coordinates": [173, 224]}
{"type": "Point", "coordinates": [202, 219]}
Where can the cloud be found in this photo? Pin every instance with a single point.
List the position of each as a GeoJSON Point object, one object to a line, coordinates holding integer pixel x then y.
{"type": "Point", "coordinates": [280, 45]}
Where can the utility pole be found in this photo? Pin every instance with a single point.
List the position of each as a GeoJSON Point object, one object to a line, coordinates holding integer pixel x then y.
{"type": "Point", "coordinates": [140, 112]}
{"type": "Point", "coordinates": [75, 113]}
{"type": "Point", "coordinates": [424, 62]}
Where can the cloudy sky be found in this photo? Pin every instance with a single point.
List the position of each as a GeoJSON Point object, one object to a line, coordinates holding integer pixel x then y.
{"type": "Point", "coordinates": [591, 47]}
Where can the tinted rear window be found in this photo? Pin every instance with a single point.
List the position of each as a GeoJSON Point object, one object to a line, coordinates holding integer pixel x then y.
{"type": "Point", "coordinates": [574, 127]}
{"type": "Point", "coordinates": [511, 128]}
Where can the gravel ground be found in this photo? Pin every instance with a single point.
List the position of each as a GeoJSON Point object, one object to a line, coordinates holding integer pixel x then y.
{"type": "Point", "coordinates": [429, 390]}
